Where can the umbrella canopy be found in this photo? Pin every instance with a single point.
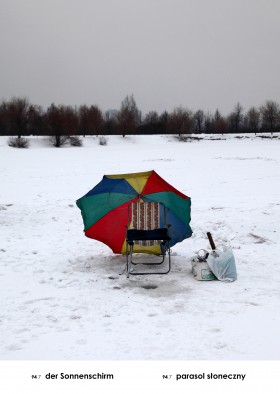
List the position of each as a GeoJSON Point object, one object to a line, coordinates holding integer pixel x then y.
{"type": "Point", "coordinates": [105, 208]}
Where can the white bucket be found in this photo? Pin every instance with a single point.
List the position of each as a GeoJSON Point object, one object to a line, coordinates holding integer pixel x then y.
{"type": "Point", "coordinates": [201, 270]}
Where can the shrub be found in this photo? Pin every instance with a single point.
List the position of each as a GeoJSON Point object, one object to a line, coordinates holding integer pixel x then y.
{"type": "Point", "coordinates": [187, 138]}
{"type": "Point", "coordinates": [58, 140]}
{"type": "Point", "coordinates": [18, 142]}
{"type": "Point", "coordinates": [102, 141]}
{"type": "Point", "coordinates": [76, 141]}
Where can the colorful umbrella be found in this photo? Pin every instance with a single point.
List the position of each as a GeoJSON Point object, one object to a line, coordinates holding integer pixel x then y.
{"type": "Point", "coordinates": [105, 208]}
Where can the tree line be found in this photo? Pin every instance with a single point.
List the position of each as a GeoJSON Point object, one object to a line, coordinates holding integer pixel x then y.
{"type": "Point", "coordinates": [18, 117]}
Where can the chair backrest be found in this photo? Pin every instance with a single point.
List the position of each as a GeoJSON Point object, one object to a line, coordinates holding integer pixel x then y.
{"type": "Point", "coordinates": [145, 216]}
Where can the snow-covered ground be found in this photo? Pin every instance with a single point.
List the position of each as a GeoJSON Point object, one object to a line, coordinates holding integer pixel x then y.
{"type": "Point", "coordinates": [61, 295]}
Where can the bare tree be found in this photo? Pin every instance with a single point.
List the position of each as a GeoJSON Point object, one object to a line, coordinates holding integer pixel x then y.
{"type": "Point", "coordinates": [95, 120]}
{"type": "Point", "coordinates": [163, 121]}
{"type": "Point", "coordinates": [90, 120]}
{"type": "Point", "coordinates": [270, 113]}
{"type": "Point", "coordinates": [151, 118]}
{"type": "Point", "coordinates": [208, 123]}
{"type": "Point", "coordinates": [180, 121]}
{"type": "Point", "coordinates": [110, 122]}
{"type": "Point", "coordinates": [55, 123]}
{"type": "Point", "coordinates": [235, 119]}
{"type": "Point", "coordinates": [17, 112]}
{"type": "Point", "coordinates": [83, 119]}
{"type": "Point", "coordinates": [4, 120]}
{"type": "Point", "coordinates": [36, 120]}
{"type": "Point", "coordinates": [253, 120]}
{"type": "Point", "coordinates": [198, 121]}
{"type": "Point", "coordinates": [219, 125]}
{"type": "Point", "coordinates": [70, 124]}
{"type": "Point", "coordinates": [129, 117]}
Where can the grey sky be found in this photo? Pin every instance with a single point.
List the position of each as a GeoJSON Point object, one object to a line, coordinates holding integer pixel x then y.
{"type": "Point", "coordinates": [204, 54]}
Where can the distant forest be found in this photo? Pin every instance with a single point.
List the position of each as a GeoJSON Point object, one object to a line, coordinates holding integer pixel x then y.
{"type": "Point", "coordinates": [18, 117]}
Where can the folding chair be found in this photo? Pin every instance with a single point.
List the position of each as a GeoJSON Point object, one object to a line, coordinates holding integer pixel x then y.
{"type": "Point", "coordinates": [147, 232]}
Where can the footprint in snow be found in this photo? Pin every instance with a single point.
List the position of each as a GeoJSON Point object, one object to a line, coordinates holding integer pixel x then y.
{"type": "Point", "coordinates": [52, 319]}
{"type": "Point", "coordinates": [4, 207]}
{"type": "Point", "coordinates": [81, 342]}
{"type": "Point", "coordinates": [14, 347]}
{"type": "Point", "coordinates": [258, 238]}
{"type": "Point", "coordinates": [221, 346]}
{"type": "Point", "coordinates": [21, 330]}
{"type": "Point", "coordinates": [252, 303]}
{"type": "Point", "coordinates": [149, 287]}
{"type": "Point", "coordinates": [215, 330]}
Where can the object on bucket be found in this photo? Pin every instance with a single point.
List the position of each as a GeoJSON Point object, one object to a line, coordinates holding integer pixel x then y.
{"type": "Point", "coordinates": [222, 263]}
{"type": "Point", "coordinates": [200, 268]}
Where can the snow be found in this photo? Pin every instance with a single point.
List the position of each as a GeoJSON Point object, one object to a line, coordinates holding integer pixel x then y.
{"type": "Point", "coordinates": [61, 295]}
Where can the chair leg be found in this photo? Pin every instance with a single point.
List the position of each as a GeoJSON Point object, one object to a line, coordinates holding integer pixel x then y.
{"type": "Point", "coordinates": [129, 252]}
{"type": "Point", "coordinates": [166, 250]}
{"type": "Point", "coordinates": [126, 252]}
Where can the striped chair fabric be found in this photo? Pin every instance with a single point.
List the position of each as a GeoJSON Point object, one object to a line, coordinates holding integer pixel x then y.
{"type": "Point", "coordinates": [145, 216]}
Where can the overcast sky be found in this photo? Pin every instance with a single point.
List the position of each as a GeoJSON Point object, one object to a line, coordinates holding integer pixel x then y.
{"type": "Point", "coordinates": [199, 54]}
